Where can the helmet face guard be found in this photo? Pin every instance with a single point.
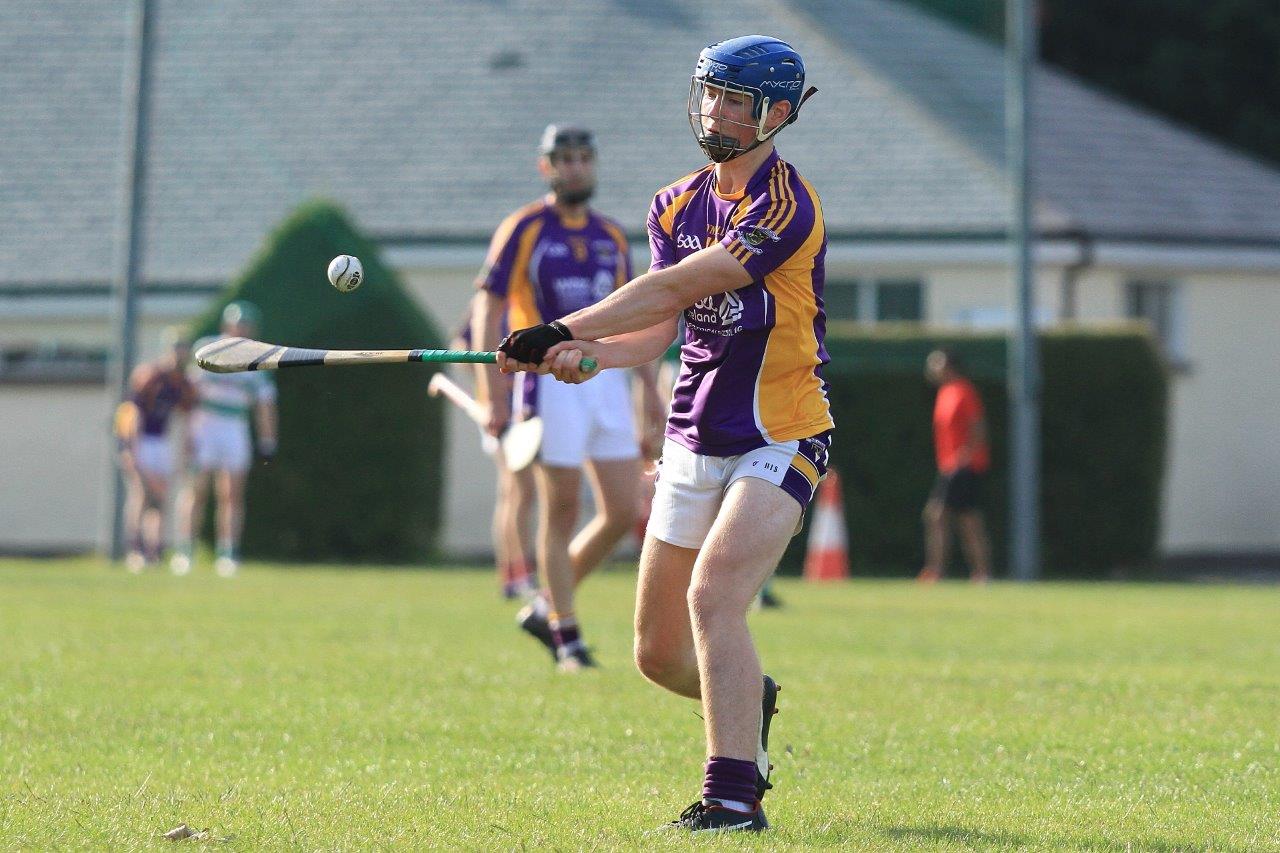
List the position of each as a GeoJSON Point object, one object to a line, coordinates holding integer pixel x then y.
{"type": "Point", "coordinates": [707, 97]}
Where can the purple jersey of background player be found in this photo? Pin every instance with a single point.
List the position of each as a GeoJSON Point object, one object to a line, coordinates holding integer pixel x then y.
{"type": "Point", "coordinates": [158, 395]}
{"type": "Point", "coordinates": [547, 265]}
{"type": "Point", "coordinates": [751, 364]}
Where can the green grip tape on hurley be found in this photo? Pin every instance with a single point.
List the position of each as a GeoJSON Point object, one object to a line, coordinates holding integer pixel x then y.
{"type": "Point", "coordinates": [457, 356]}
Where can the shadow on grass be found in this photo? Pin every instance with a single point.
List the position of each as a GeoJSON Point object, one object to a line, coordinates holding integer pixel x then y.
{"type": "Point", "coordinates": [978, 838]}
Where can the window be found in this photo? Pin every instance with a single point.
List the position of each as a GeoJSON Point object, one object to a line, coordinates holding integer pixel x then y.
{"type": "Point", "coordinates": [52, 364]}
{"type": "Point", "coordinates": [890, 300]}
{"type": "Point", "coordinates": [899, 301]}
{"type": "Point", "coordinates": [1160, 304]}
{"type": "Point", "coordinates": [840, 300]}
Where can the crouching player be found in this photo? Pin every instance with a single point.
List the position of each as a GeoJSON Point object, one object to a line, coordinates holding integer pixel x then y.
{"type": "Point", "coordinates": [738, 248]}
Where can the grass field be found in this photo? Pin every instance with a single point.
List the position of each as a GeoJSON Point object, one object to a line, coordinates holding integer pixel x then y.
{"type": "Point", "coordinates": [304, 708]}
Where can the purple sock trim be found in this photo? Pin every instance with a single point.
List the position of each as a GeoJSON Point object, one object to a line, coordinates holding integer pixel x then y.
{"type": "Point", "coordinates": [730, 779]}
{"type": "Point", "coordinates": [565, 635]}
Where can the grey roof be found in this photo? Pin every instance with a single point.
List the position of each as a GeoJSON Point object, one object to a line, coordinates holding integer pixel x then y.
{"type": "Point", "coordinates": [1101, 166]}
{"type": "Point", "coordinates": [422, 118]}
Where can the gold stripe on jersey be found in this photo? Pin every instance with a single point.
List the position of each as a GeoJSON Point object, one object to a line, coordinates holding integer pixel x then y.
{"type": "Point", "coordinates": [786, 207]}
{"type": "Point", "coordinates": [780, 211]}
{"type": "Point", "coordinates": [780, 200]}
{"type": "Point", "coordinates": [789, 392]}
{"type": "Point", "coordinates": [740, 250]}
{"type": "Point", "coordinates": [620, 240]}
{"type": "Point", "coordinates": [505, 229]}
{"type": "Point", "coordinates": [792, 206]}
{"type": "Point", "coordinates": [523, 311]}
{"type": "Point", "coordinates": [667, 218]}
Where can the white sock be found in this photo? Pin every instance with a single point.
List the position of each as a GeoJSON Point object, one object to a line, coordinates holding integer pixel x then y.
{"type": "Point", "coordinates": [735, 805]}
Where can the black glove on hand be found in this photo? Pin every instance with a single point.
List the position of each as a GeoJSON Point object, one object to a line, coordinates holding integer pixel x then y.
{"type": "Point", "coordinates": [530, 345]}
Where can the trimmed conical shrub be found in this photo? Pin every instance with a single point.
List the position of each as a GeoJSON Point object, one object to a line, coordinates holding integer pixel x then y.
{"type": "Point", "coordinates": [359, 473]}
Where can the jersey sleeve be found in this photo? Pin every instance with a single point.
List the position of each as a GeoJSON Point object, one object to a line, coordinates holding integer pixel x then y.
{"type": "Point", "coordinates": [775, 229]}
{"type": "Point", "coordinates": [662, 248]}
{"type": "Point", "coordinates": [495, 275]}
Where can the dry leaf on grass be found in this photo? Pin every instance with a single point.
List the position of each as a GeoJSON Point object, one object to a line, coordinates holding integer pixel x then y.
{"type": "Point", "coordinates": [182, 832]}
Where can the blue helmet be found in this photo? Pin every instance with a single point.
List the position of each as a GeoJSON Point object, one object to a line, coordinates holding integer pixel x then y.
{"type": "Point", "coordinates": [766, 69]}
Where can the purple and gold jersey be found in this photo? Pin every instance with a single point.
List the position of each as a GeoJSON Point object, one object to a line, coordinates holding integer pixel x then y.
{"type": "Point", "coordinates": [547, 266]}
{"type": "Point", "coordinates": [751, 364]}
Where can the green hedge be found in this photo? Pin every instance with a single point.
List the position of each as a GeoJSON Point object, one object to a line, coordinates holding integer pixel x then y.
{"type": "Point", "coordinates": [1102, 445]}
{"type": "Point", "coordinates": [360, 471]}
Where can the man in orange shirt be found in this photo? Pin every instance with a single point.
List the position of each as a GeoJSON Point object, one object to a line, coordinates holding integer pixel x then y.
{"type": "Point", "coordinates": [960, 440]}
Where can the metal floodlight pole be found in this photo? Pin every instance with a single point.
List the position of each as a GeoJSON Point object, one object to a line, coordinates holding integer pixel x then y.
{"type": "Point", "coordinates": [129, 243]}
{"type": "Point", "coordinates": [1024, 360]}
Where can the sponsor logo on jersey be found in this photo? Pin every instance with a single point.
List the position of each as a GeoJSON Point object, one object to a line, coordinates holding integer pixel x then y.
{"type": "Point", "coordinates": [719, 309]}
{"type": "Point", "coordinates": [572, 289]}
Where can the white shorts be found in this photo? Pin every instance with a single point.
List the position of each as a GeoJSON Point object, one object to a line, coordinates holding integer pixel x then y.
{"type": "Point", "coordinates": [588, 421]}
{"type": "Point", "coordinates": [692, 486]}
{"type": "Point", "coordinates": [221, 443]}
{"type": "Point", "coordinates": [153, 455]}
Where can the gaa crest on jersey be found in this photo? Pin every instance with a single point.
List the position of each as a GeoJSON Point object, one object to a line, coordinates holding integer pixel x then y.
{"type": "Point", "coordinates": [755, 236]}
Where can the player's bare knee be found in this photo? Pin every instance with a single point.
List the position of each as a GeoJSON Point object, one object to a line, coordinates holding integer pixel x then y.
{"type": "Point", "coordinates": [707, 604]}
{"type": "Point", "coordinates": [657, 660]}
{"type": "Point", "coordinates": [620, 519]}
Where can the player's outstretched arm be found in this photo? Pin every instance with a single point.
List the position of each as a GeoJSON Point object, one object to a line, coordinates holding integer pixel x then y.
{"type": "Point", "coordinates": [659, 296]}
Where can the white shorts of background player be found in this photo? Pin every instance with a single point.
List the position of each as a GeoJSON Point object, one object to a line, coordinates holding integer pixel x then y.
{"type": "Point", "coordinates": [153, 455]}
{"type": "Point", "coordinates": [222, 443]}
{"type": "Point", "coordinates": [588, 421]}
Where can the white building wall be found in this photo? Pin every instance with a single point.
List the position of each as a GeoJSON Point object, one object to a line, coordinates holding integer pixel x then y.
{"type": "Point", "coordinates": [1223, 491]}
{"type": "Point", "coordinates": [54, 466]}
{"type": "Point", "coordinates": [471, 484]}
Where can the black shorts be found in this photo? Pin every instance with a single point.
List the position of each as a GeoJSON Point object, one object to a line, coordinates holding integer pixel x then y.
{"type": "Point", "coordinates": [960, 491]}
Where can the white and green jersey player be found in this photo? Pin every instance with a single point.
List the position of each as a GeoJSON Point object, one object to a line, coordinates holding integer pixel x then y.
{"type": "Point", "coordinates": [225, 402]}
{"type": "Point", "coordinates": [220, 446]}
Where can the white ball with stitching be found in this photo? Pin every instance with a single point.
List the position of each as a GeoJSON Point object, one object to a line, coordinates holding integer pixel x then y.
{"type": "Point", "coordinates": [346, 273]}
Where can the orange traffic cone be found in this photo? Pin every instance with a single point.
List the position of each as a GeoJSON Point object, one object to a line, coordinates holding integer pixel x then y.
{"type": "Point", "coordinates": [827, 557]}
